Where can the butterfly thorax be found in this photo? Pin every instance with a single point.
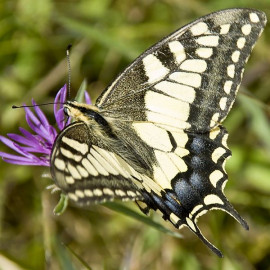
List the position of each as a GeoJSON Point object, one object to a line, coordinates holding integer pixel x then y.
{"type": "Point", "coordinates": [109, 134]}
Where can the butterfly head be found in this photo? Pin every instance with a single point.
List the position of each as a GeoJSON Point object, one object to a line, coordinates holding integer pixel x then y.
{"type": "Point", "coordinates": [80, 111]}
{"type": "Point", "coordinates": [89, 114]}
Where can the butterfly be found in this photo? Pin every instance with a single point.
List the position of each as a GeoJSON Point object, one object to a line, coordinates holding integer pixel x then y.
{"type": "Point", "coordinates": [155, 135]}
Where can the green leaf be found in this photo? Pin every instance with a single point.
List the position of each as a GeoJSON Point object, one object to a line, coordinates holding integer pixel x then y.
{"type": "Point", "coordinates": [144, 219]}
{"type": "Point", "coordinates": [258, 175]}
{"type": "Point", "coordinates": [61, 206]}
{"type": "Point", "coordinates": [80, 94]}
{"type": "Point", "coordinates": [63, 256]}
{"type": "Point", "coordinates": [94, 34]}
{"type": "Point", "coordinates": [259, 122]}
{"type": "Point", "coordinates": [81, 260]}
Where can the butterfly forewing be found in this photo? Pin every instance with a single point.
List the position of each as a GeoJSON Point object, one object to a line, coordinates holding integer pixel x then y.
{"type": "Point", "coordinates": [189, 79]}
{"type": "Point", "coordinates": [154, 135]}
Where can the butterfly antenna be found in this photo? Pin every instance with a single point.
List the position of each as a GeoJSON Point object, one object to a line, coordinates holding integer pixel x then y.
{"type": "Point", "coordinates": [69, 68]}
{"type": "Point", "coordinates": [36, 105]}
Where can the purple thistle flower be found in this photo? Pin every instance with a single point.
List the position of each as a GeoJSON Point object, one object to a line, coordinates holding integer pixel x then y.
{"type": "Point", "coordinates": [35, 148]}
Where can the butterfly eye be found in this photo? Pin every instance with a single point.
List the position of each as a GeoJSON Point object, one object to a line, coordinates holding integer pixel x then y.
{"type": "Point", "coordinates": [66, 111]}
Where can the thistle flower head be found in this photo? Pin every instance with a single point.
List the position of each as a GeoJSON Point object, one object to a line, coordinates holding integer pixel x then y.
{"type": "Point", "coordinates": [34, 148]}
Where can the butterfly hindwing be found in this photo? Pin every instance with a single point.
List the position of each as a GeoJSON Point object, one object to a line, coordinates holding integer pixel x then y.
{"type": "Point", "coordinates": [191, 176]}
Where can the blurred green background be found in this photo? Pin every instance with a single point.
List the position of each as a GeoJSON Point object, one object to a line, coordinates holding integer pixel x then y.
{"type": "Point", "coordinates": [106, 36]}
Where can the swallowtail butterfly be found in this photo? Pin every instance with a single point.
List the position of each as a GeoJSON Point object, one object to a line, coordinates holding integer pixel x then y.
{"type": "Point", "coordinates": [154, 135]}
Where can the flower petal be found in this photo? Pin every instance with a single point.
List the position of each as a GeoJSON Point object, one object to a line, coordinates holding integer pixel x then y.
{"type": "Point", "coordinates": [60, 118]}
{"type": "Point", "coordinates": [54, 133]}
{"type": "Point", "coordinates": [27, 134]}
{"type": "Point", "coordinates": [14, 157]}
{"type": "Point", "coordinates": [63, 95]}
{"type": "Point", "coordinates": [37, 162]}
{"type": "Point", "coordinates": [40, 114]}
{"type": "Point", "coordinates": [10, 144]}
{"type": "Point", "coordinates": [36, 143]}
{"type": "Point", "coordinates": [35, 124]}
{"type": "Point", "coordinates": [87, 98]}
{"type": "Point", "coordinates": [58, 108]}
{"type": "Point", "coordinates": [20, 139]}
{"type": "Point", "coordinates": [41, 139]}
